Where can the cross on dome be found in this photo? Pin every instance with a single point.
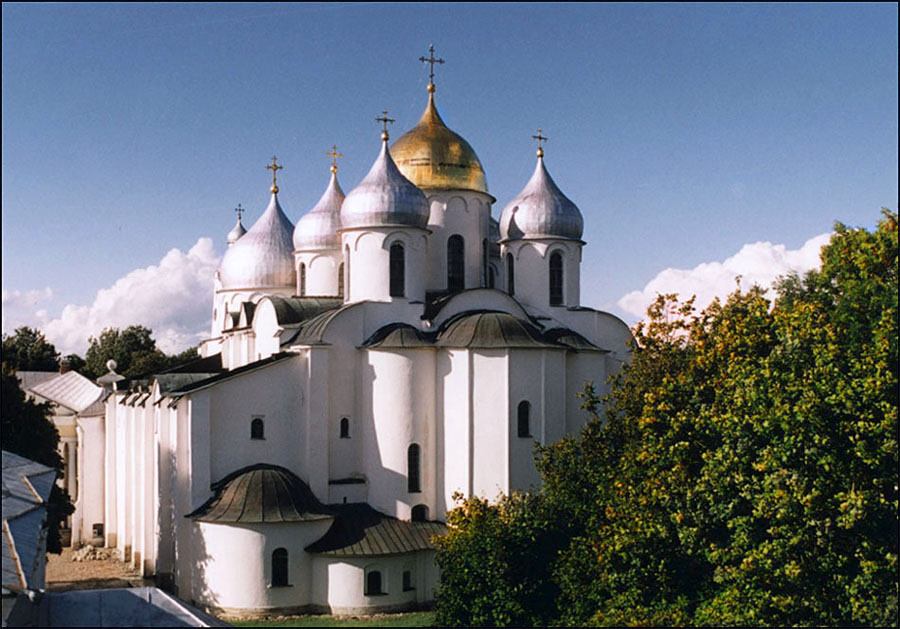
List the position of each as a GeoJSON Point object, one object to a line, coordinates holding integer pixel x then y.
{"type": "Point", "coordinates": [541, 139]}
{"type": "Point", "coordinates": [431, 61]}
{"type": "Point", "coordinates": [384, 120]}
{"type": "Point", "coordinates": [274, 167]}
{"type": "Point", "coordinates": [333, 154]}
{"type": "Point", "coordinates": [240, 211]}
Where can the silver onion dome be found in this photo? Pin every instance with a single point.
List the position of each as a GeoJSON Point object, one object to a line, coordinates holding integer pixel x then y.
{"type": "Point", "coordinates": [541, 210]}
{"type": "Point", "coordinates": [236, 232]}
{"type": "Point", "coordinates": [317, 229]}
{"type": "Point", "coordinates": [263, 257]}
{"type": "Point", "coordinates": [385, 198]}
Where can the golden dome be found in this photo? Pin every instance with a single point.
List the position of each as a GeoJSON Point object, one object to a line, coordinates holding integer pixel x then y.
{"type": "Point", "coordinates": [432, 156]}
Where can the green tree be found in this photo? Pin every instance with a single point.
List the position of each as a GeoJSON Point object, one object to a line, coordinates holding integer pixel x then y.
{"type": "Point", "coordinates": [27, 350]}
{"type": "Point", "coordinates": [28, 431]}
{"type": "Point", "coordinates": [134, 351]}
{"type": "Point", "coordinates": [746, 471]}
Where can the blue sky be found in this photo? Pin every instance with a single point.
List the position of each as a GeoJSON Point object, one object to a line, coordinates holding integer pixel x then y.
{"type": "Point", "coordinates": [685, 133]}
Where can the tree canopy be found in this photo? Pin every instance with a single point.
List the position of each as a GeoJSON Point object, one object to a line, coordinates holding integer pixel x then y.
{"type": "Point", "coordinates": [134, 351]}
{"type": "Point", "coordinates": [745, 472]}
{"type": "Point", "coordinates": [27, 350]}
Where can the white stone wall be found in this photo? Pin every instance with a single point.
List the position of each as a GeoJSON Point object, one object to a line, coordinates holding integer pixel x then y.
{"type": "Point", "coordinates": [463, 212]}
{"type": "Point", "coordinates": [321, 271]}
{"type": "Point", "coordinates": [532, 270]}
{"type": "Point", "coordinates": [369, 262]}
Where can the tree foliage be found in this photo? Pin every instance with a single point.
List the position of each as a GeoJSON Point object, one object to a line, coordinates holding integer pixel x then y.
{"type": "Point", "coordinates": [134, 351]}
{"type": "Point", "coordinates": [745, 472]}
{"type": "Point", "coordinates": [27, 350]}
{"type": "Point", "coordinates": [28, 431]}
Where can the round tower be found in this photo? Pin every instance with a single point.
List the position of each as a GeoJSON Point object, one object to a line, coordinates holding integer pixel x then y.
{"type": "Point", "coordinates": [318, 259]}
{"type": "Point", "coordinates": [446, 168]}
{"type": "Point", "coordinates": [540, 245]}
{"type": "Point", "coordinates": [383, 234]}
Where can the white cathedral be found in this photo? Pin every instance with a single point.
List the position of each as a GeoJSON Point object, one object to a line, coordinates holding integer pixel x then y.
{"type": "Point", "coordinates": [396, 346]}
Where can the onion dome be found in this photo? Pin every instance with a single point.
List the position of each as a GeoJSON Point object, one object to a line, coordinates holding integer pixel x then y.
{"type": "Point", "coordinates": [236, 232]}
{"type": "Point", "coordinates": [541, 210]}
{"type": "Point", "coordinates": [433, 156]}
{"type": "Point", "coordinates": [261, 493]}
{"type": "Point", "coordinates": [317, 229]}
{"type": "Point", "coordinates": [385, 198]}
{"type": "Point", "coordinates": [263, 257]}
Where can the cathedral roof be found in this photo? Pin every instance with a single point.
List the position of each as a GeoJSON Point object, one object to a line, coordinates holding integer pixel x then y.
{"type": "Point", "coordinates": [359, 530]}
{"type": "Point", "coordinates": [290, 310]}
{"type": "Point", "coordinates": [261, 493]}
{"type": "Point", "coordinates": [432, 156]}
{"type": "Point", "coordinates": [263, 257]}
{"type": "Point", "coordinates": [317, 229]}
{"type": "Point", "coordinates": [489, 330]}
{"type": "Point", "coordinates": [541, 210]}
{"type": "Point", "coordinates": [385, 198]}
{"type": "Point", "coordinates": [397, 336]}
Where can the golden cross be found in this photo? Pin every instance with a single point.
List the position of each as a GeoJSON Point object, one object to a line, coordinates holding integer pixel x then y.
{"type": "Point", "coordinates": [333, 154]}
{"type": "Point", "coordinates": [431, 61]}
{"type": "Point", "coordinates": [274, 167]}
{"type": "Point", "coordinates": [239, 211]}
{"type": "Point", "coordinates": [540, 138]}
{"type": "Point", "coordinates": [384, 120]}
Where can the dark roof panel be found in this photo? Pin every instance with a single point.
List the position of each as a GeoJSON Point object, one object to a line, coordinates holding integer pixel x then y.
{"type": "Point", "coordinates": [261, 493]}
{"type": "Point", "coordinates": [398, 336]}
{"type": "Point", "coordinates": [488, 330]}
{"type": "Point", "coordinates": [359, 530]}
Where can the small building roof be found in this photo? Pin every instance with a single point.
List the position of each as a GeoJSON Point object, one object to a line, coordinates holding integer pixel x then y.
{"type": "Point", "coordinates": [488, 330]}
{"type": "Point", "coordinates": [70, 390]}
{"type": "Point", "coordinates": [26, 489]}
{"type": "Point", "coordinates": [261, 493]}
{"type": "Point", "coordinates": [359, 530]}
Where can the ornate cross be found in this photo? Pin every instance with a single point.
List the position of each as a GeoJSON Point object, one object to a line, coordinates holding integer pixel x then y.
{"type": "Point", "coordinates": [431, 61]}
{"type": "Point", "coordinates": [333, 154]}
{"type": "Point", "coordinates": [384, 120]}
{"type": "Point", "coordinates": [541, 139]}
{"type": "Point", "coordinates": [239, 211]}
{"type": "Point", "coordinates": [274, 167]}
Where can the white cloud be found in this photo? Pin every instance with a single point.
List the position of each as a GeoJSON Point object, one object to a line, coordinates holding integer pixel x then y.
{"type": "Point", "coordinates": [174, 299]}
{"type": "Point", "coordinates": [757, 263]}
{"type": "Point", "coordinates": [21, 308]}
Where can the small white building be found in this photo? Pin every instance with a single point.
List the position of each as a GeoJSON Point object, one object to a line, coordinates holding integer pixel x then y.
{"type": "Point", "coordinates": [396, 346]}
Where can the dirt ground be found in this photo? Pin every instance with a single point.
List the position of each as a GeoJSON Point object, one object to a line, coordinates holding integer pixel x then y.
{"type": "Point", "coordinates": [65, 574]}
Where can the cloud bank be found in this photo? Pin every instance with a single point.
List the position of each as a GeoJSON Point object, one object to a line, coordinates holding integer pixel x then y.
{"type": "Point", "coordinates": [173, 298]}
{"type": "Point", "coordinates": [757, 263]}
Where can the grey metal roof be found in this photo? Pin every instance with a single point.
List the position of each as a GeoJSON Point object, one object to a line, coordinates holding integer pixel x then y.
{"type": "Point", "coordinates": [359, 530]}
{"type": "Point", "coordinates": [26, 489]}
{"type": "Point", "coordinates": [571, 339]}
{"type": "Point", "coordinates": [71, 390]}
{"type": "Point", "coordinates": [225, 375]}
{"type": "Point", "coordinates": [488, 330]}
{"type": "Point", "coordinates": [385, 198]}
{"type": "Point", "coordinates": [236, 232]}
{"type": "Point", "coordinates": [28, 379]}
{"type": "Point", "coordinates": [263, 257]}
{"type": "Point", "coordinates": [317, 229]}
{"type": "Point", "coordinates": [398, 336]}
{"type": "Point", "coordinates": [290, 310]}
{"type": "Point", "coordinates": [312, 332]}
{"type": "Point", "coordinates": [261, 493]}
{"type": "Point", "coordinates": [120, 607]}
{"type": "Point", "coordinates": [541, 210]}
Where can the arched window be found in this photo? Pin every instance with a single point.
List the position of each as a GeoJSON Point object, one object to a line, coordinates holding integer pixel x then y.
{"type": "Point", "coordinates": [345, 428]}
{"type": "Point", "coordinates": [302, 279]}
{"type": "Point", "coordinates": [397, 270]}
{"type": "Point", "coordinates": [413, 478]}
{"type": "Point", "coordinates": [510, 275]}
{"type": "Point", "coordinates": [279, 567]}
{"type": "Point", "coordinates": [373, 583]}
{"type": "Point", "coordinates": [407, 581]}
{"type": "Point", "coordinates": [257, 428]}
{"type": "Point", "coordinates": [419, 513]}
{"type": "Point", "coordinates": [492, 278]}
{"type": "Point", "coordinates": [524, 420]}
{"type": "Point", "coordinates": [344, 288]}
{"type": "Point", "coordinates": [556, 279]}
{"type": "Point", "coordinates": [456, 263]}
{"type": "Point", "coordinates": [484, 262]}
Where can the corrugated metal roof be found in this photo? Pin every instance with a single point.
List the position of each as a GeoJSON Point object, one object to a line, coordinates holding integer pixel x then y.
{"type": "Point", "coordinates": [487, 330]}
{"type": "Point", "coordinates": [261, 493]}
{"type": "Point", "coordinates": [359, 530]}
{"type": "Point", "coordinates": [28, 379]}
{"type": "Point", "coordinates": [71, 390]}
{"type": "Point", "coordinates": [26, 489]}
{"type": "Point", "coordinates": [398, 336]}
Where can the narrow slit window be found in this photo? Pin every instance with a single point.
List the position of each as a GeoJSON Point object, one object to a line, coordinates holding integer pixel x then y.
{"type": "Point", "coordinates": [556, 279]}
{"type": "Point", "coordinates": [524, 419]}
{"type": "Point", "coordinates": [413, 472]}
{"type": "Point", "coordinates": [397, 270]}
{"type": "Point", "coordinates": [345, 428]}
{"type": "Point", "coordinates": [279, 567]}
{"type": "Point", "coordinates": [257, 428]}
{"type": "Point", "coordinates": [373, 583]}
{"type": "Point", "coordinates": [456, 264]}
{"type": "Point", "coordinates": [302, 279]}
{"type": "Point", "coordinates": [510, 275]}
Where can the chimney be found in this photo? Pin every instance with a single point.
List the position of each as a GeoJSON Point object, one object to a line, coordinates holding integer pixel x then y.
{"type": "Point", "coordinates": [64, 365]}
